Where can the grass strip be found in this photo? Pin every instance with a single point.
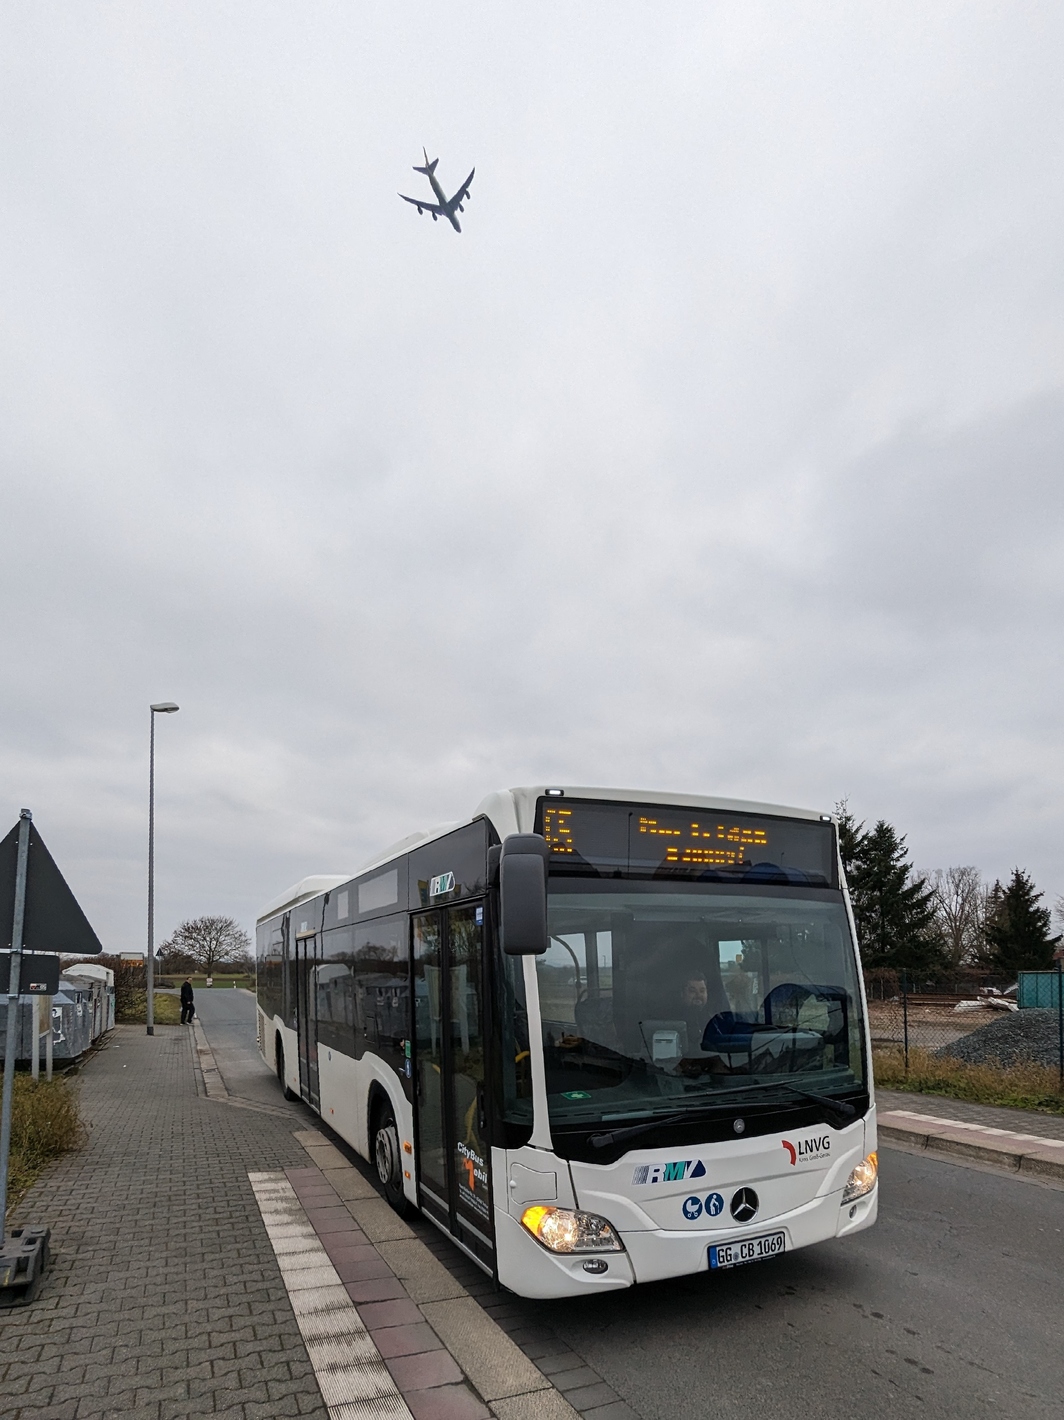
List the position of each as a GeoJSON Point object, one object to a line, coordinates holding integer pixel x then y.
{"type": "Point", "coordinates": [45, 1123]}
{"type": "Point", "coordinates": [1034, 1087]}
{"type": "Point", "coordinates": [130, 1008]}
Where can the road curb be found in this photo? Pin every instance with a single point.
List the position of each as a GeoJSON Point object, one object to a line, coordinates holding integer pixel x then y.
{"type": "Point", "coordinates": [211, 1077]}
{"type": "Point", "coordinates": [1006, 1149]}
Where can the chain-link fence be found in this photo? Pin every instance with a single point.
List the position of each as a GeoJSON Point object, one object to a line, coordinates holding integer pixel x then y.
{"type": "Point", "coordinates": [973, 1018]}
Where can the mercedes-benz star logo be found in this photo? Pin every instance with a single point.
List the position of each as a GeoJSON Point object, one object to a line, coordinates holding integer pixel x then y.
{"type": "Point", "coordinates": [744, 1205]}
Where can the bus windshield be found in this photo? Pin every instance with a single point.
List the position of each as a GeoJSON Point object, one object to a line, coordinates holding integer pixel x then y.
{"type": "Point", "coordinates": [656, 999]}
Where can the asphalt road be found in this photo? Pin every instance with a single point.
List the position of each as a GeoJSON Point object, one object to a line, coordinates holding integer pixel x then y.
{"type": "Point", "coordinates": [951, 1306]}
{"type": "Point", "coordinates": [228, 1018]}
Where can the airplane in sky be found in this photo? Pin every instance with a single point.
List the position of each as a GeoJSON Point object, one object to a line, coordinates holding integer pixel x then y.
{"type": "Point", "coordinates": [445, 207]}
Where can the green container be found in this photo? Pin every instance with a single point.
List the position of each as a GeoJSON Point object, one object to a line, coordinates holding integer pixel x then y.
{"type": "Point", "coordinates": [1038, 988]}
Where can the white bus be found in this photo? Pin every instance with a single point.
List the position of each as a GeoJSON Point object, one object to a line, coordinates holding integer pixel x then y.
{"type": "Point", "coordinates": [598, 1036]}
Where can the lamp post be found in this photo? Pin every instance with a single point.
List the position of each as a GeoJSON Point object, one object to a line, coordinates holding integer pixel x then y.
{"type": "Point", "coordinates": [165, 707]}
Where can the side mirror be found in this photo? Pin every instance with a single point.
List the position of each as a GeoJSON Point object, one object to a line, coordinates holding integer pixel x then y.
{"type": "Point", "coordinates": [523, 894]}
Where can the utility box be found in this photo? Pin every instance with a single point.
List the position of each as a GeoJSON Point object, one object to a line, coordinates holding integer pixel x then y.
{"type": "Point", "coordinates": [1038, 988]}
{"type": "Point", "coordinates": [99, 982]}
{"type": "Point", "coordinates": [82, 1010]}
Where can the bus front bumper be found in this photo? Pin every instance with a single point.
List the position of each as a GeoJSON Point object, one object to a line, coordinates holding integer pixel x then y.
{"type": "Point", "coordinates": [530, 1270]}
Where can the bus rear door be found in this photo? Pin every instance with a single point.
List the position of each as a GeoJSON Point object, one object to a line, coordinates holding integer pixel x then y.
{"type": "Point", "coordinates": [308, 953]}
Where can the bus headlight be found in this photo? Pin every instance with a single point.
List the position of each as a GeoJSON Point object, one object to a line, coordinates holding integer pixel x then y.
{"type": "Point", "coordinates": [562, 1230]}
{"type": "Point", "coordinates": [862, 1180]}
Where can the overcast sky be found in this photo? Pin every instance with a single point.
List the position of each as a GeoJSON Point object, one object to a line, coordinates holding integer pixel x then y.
{"type": "Point", "coordinates": [721, 452]}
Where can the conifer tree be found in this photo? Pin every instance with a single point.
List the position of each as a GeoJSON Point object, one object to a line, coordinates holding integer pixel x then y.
{"type": "Point", "coordinates": [1017, 929]}
{"type": "Point", "coordinates": [893, 909]}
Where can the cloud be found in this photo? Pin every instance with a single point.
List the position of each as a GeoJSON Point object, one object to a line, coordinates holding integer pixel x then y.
{"type": "Point", "coordinates": [721, 451]}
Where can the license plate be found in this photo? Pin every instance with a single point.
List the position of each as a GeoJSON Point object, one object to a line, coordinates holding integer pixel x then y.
{"type": "Point", "coordinates": [734, 1254]}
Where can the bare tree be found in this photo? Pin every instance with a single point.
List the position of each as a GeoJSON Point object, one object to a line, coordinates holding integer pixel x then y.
{"type": "Point", "coordinates": [960, 906]}
{"type": "Point", "coordinates": [207, 941]}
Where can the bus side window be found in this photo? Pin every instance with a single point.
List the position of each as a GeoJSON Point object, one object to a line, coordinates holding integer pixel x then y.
{"type": "Point", "coordinates": [335, 992]}
{"type": "Point", "coordinates": [382, 991]}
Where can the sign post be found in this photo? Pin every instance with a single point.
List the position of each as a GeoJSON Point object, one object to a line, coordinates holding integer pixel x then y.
{"type": "Point", "coordinates": [11, 1043]}
{"type": "Point", "coordinates": [43, 913]}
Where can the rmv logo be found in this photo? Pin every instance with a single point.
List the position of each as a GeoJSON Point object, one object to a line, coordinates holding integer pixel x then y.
{"type": "Point", "coordinates": [438, 886]}
{"type": "Point", "coordinates": [807, 1149]}
{"type": "Point", "coordinates": [669, 1173]}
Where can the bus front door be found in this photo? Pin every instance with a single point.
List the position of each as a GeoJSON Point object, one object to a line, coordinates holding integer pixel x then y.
{"type": "Point", "coordinates": [449, 1072]}
{"type": "Point", "coordinates": [308, 952]}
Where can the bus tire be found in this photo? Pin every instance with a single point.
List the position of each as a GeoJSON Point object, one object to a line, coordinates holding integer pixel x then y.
{"type": "Point", "coordinates": [279, 1058]}
{"type": "Point", "coordinates": [388, 1159]}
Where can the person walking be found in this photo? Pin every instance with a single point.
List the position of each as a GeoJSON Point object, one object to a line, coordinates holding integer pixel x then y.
{"type": "Point", "coordinates": [188, 1007]}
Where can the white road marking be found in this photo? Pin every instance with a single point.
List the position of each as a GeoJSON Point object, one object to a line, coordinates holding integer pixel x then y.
{"type": "Point", "coordinates": [355, 1383]}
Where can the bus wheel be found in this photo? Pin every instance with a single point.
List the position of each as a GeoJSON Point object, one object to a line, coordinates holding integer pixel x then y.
{"type": "Point", "coordinates": [279, 1056]}
{"type": "Point", "coordinates": [389, 1160]}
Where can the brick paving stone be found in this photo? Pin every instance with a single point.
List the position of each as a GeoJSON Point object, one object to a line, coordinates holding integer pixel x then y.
{"type": "Point", "coordinates": [344, 1237]}
{"type": "Point", "coordinates": [375, 1289]}
{"type": "Point", "coordinates": [404, 1340]}
{"type": "Point", "coordinates": [329, 1220]}
{"type": "Point", "coordinates": [591, 1397]}
{"type": "Point", "coordinates": [316, 1195]}
{"type": "Point", "coordinates": [278, 1390]}
{"type": "Point", "coordinates": [397, 1312]}
{"type": "Point", "coordinates": [164, 1300]}
{"type": "Point", "coordinates": [343, 1245]}
{"type": "Point", "coordinates": [570, 1380]}
{"type": "Point", "coordinates": [558, 1361]}
{"type": "Point", "coordinates": [448, 1402]}
{"type": "Point", "coordinates": [352, 1252]}
{"type": "Point", "coordinates": [616, 1410]}
{"type": "Point", "coordinates": [427, 1369]}
{"type": "Point", "coordinates": [362, 1269]}
{"type": "Point", "coordinates": [533, 1341]}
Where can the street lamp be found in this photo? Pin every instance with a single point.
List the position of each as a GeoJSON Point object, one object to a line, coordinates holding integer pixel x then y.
{"type": "Point", "coordinates": [165, 707]}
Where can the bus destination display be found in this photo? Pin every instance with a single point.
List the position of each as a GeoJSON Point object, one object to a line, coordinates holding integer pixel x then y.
{"type": "Point", "coordinates": [700, 844]}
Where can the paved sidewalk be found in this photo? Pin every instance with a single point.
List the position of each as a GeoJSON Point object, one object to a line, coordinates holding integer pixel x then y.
{"type": "Point", "coordinates": [916, 1125]}
{"type": "Point", "coordinates": [1023, 1121]}
{"type": "Point", "coordinates": [213, 1255]}
{"type": "Point", "coordinates": [164, 1299]}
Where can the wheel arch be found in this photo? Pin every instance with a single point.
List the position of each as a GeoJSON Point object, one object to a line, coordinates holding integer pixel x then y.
{"type": "Point", "coordinates": [380, 1098]}
{"type": "Point", "coordinates": [377, 1098]}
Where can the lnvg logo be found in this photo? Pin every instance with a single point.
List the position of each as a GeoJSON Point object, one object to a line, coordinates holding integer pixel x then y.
{"type": "Point", "coordinates": [669, 1173]}
{"type": "Point", "coordinates": [807, 1150]}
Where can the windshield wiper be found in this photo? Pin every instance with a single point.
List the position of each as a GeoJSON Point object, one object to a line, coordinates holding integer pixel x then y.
{"type": "Point", "coordinates": [603, 1141]}
{"type": "Point", "coordinates": [631, 1131]}
{"type": "Point", "coordinates": [842, 1110]}
{"type": "Point", "coordinates": [839, 1112]}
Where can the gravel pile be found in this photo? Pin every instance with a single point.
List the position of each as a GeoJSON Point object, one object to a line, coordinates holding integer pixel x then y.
{"type": "Point", "coordinates": [1020, 1038]}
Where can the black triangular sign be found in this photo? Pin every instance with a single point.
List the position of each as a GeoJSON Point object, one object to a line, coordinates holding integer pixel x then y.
{"type": "Point", "coordinates": [54, 920]}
